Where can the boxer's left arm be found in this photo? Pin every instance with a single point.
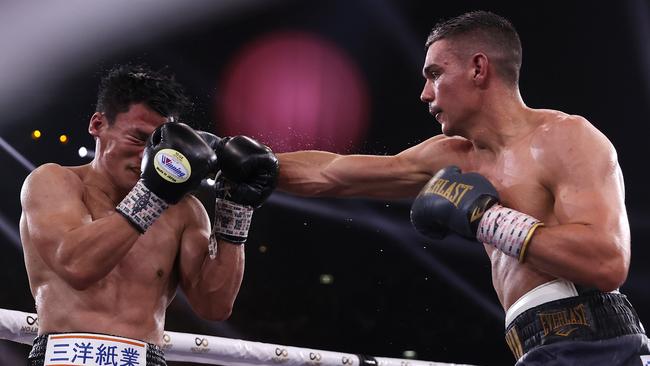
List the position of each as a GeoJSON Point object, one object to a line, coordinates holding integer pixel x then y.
{"type": "Point", "coordinates": [211, 285]}
{"type": "Point", "coordinates": [212, 264]}
{"type": "Point", "coordinates": [591, 243]}
{"type": "Point", "coordinates": [325, 174]}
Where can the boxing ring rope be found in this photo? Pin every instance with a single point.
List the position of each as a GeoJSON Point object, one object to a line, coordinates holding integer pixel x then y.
{"type": "Point", "coordinates": [21, 327]}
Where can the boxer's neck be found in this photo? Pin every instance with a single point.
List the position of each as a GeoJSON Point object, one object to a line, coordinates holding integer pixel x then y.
{"type": "Point", "coordinates": [502, 120]}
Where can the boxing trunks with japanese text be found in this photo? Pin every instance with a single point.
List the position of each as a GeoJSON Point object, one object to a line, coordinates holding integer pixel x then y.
{"type": "Point", "coordinates": [93, 349]}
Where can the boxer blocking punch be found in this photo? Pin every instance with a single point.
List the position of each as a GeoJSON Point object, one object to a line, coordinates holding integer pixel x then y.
{"type": "Point", "coordinates": [174, 161]}
{"type": "Point", "coordinates": [107, 243]}
{"type": "Point", "coordinates": [247, 174]}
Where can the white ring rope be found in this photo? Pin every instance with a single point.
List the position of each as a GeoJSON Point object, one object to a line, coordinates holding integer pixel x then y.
{"type": "Point", "coordinates": [21, 327]}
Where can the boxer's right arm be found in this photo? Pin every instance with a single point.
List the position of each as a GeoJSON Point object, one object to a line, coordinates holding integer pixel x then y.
{"type": "Point", "coordinates": [320, 173]}
{"type": "Point", "coordinates": [56, 223]}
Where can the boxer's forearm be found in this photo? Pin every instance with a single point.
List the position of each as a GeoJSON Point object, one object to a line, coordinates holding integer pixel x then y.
{"type": "Point", "coordinates": [301, 173]}
{"type": "Point", "coordinates": [215, 288]}
{"type": "Point", "coordinates": [88, 253]}
{"type": "Point", "coordinates": [580, 253]}
{"type": "Point", "coordinates": [319, 173]}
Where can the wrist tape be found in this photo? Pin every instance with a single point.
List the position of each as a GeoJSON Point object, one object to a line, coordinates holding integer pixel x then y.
{"type": "Point", "coordinates": [141, 207]}
{"type": "Point", "coordinates": [231, 223]}
{"type": "Point", "coordinates": [508, 230]}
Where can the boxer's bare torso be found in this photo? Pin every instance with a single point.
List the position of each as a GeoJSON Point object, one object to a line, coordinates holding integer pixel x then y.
{"type": "Point", "coordinates": [520, 175]}
{"type": "Point", "coordinates": [552, 166]}
{"type": "Point", "coordinates": [132, 298]}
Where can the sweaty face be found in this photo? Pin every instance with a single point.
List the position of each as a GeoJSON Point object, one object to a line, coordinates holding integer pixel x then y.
{"type": "Point", "coordinates": [448, 89]}
{"type": "Point", "coordinates": [121, 144]}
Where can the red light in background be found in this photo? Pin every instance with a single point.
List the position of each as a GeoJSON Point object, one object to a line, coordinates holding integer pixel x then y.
{"type": "Point", "coordinates": [294, 91]}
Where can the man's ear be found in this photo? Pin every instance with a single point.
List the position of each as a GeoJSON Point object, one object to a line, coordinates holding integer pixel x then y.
{"type": "Point", "coordinates": [98, 123]}
{"type": "Point", "coordinates": [480, 65]}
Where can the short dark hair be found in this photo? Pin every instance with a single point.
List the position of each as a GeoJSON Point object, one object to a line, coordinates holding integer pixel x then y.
{"type": "Point", "coordinates": [125, 85]}
{"type": "Point", "coordinates": [488, 29]}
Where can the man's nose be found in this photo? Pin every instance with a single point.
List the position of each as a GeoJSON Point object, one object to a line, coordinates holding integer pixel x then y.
{"type": "Point", "coordinates": [427, 92]}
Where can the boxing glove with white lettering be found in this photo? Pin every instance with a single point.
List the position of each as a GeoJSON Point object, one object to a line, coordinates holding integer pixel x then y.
{"type": "Point", "coordinates": [174, 162]}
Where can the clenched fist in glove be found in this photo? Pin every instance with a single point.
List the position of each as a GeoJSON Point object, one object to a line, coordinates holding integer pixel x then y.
{"type": "Point", "coordinates": [247, 176]}
{"type": "Point", "coordinates": [467, 204]}
{"type": "Point", "coordinates": [174, 161]}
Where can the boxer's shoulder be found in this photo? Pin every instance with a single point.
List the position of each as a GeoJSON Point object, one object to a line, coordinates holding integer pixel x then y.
{"type": "Point", "coordinates": [560, 133]}
{"type": "Point", "coordinates": [437, 152]}
{"type": "Point", "coordinates": [569, 144]}
{"type": "Point", "coordinates": [455, 144]}
{"type": "Point", "coordinates": [442, 145]}
{"type": "Point", "coordinates": [51, 174]}
{"type": "Point", "coordinates": [452, 142]}
{"type": "Point", "coordinates": [555, 125]}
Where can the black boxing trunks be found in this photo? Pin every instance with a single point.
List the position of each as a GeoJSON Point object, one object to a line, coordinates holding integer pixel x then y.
{"type": "Point", "coordinates": [593, 328]}
{"type": "Point", "coordinates": [627, 350]}
{"type": "Point", "coordinates": [93, 349]}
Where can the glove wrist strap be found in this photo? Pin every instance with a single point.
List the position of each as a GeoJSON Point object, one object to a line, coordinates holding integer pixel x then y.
{"type": "Point", "coordinates": [141, 207]}
{"type": "Point", "coordinates": [231, 223]}
{"type": "Point", "coordinates": [508, 230]}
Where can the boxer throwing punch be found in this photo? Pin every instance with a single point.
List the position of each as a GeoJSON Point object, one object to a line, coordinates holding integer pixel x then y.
{"type": "Point", "coordinates": [541, 189]}
{"type": "Point", "coordinates": [107, 243]}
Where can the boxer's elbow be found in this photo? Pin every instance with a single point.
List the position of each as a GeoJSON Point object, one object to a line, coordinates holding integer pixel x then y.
{"type": "Point", "coordinates": [220, 314]}
{"type": "Point", "coordinates": [611, 278]}
{"type": "Point", "coordinates": [77, 278]}
{"type": "Point", "coordinates": [76, 273]}
{"type": "Point", "coordinates": [216, 311]}
{"type": "Point", "coordinates": [612, 271]}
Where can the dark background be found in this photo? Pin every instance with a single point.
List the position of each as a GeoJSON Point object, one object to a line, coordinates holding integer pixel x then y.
{"type": "Point", "coordinates": [392, 289]}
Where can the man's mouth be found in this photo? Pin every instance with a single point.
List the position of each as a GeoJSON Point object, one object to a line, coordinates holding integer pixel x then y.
{"type": "Point", "coordinates": [435, 112]}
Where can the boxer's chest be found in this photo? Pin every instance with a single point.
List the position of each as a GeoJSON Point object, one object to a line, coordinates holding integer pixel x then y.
{"type": "Point", "coordinates": [517, 178]}
{"type": "Point", "coordinates": [151, 258]}
{"type": "Point", "coordinates": [153, 255]}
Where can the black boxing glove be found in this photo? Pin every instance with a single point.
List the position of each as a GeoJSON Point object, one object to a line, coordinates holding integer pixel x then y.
{"type": "Point", "coordinates": [174, 162]}
{"type": "Point", "coordinates": [248, 175]}
{"type": "Point", "coordinates": [249, 168]}
{"type": "Point", "coordinates": [467, 204]}
{"type": "Point", "coordinates": [452, 201]}
{"type": "Point", "coordinates": [213, 141]}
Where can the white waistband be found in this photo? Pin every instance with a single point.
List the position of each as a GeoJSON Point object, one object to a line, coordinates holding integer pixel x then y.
{"type": "Point", "coordinates": [549, 291]}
